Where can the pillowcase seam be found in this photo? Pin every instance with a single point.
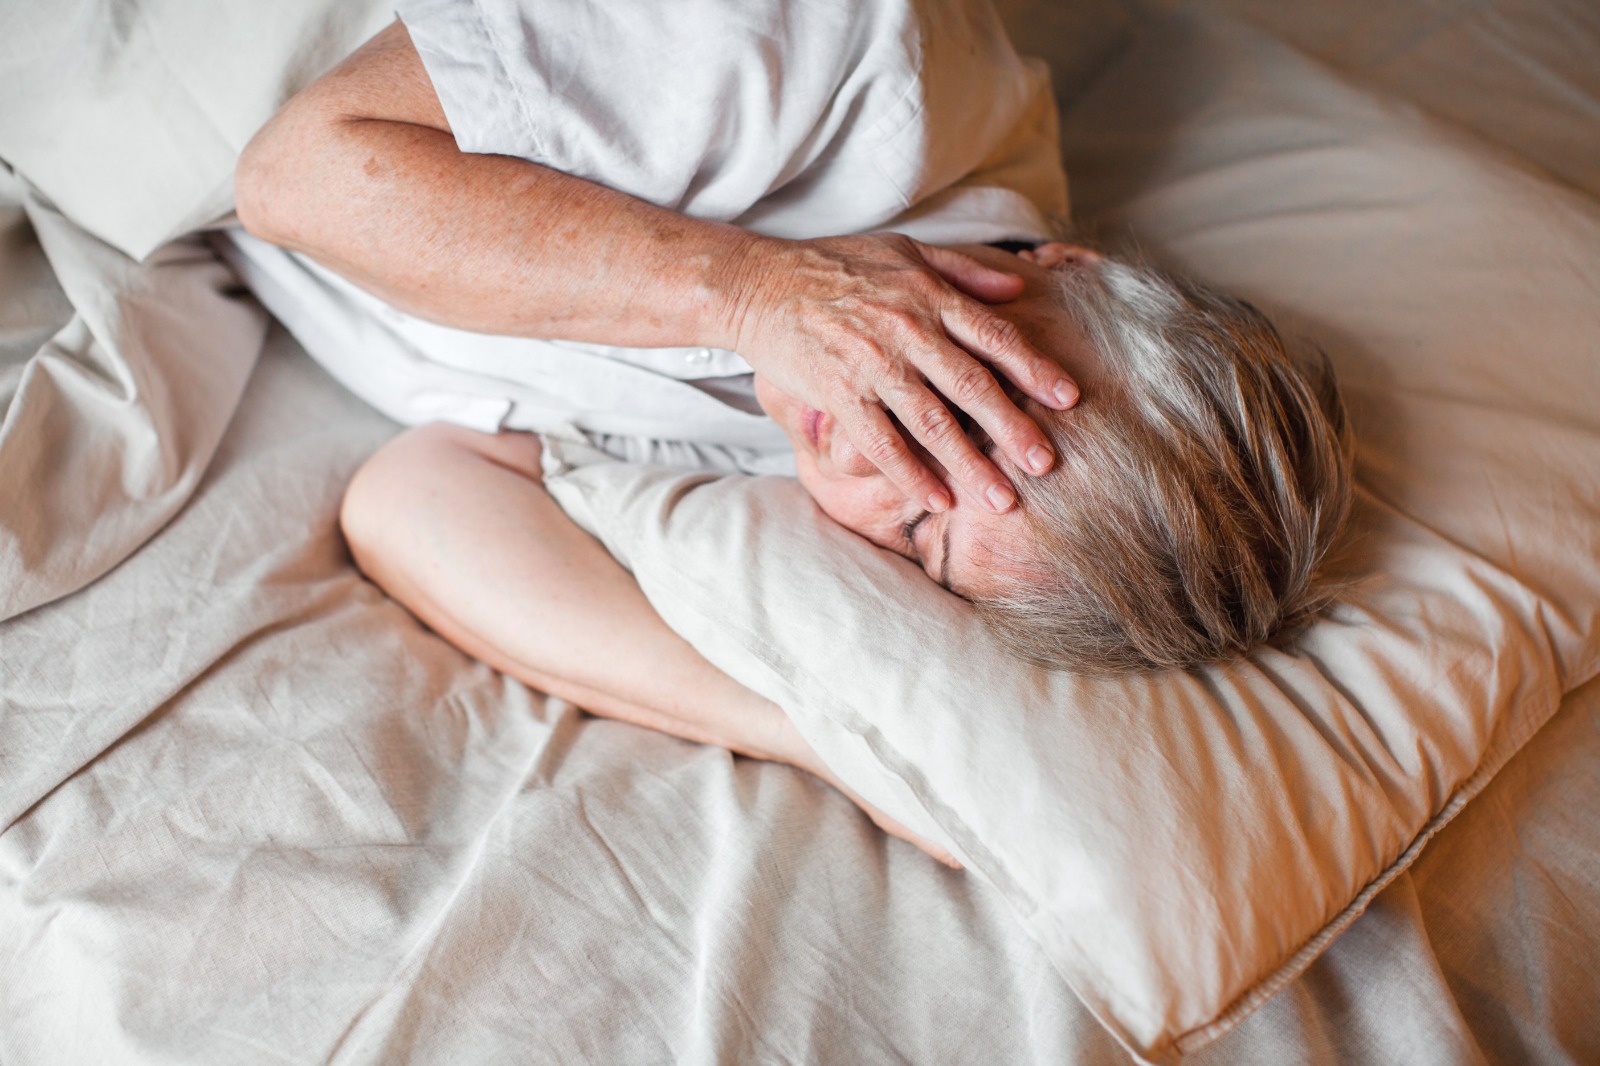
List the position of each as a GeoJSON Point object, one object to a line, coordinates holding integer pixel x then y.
{"type": "Point", "coordinates": [990, 866]}
{"type": "Point", "coordinates": [1495, 759]}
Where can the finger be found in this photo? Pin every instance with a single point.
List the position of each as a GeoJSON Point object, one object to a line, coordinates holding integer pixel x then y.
{"type": "Point", "coordinates": [895, 829]}
{"type": "Point", "coordinates": [879, 819]}
{"type": "Point", "coordinates": [880, 441]}
{"type": "Point", "coordinates": [969, 385]}
{"type": "Point", "coordinates": [1055, 253]}
{"type": "Point", "coordinates": [1052, 254]}
{"type": "Point", "coordinates": [998, 341]}
{"type": "Point", "coordinates": [970, 276]}
{"type": "Point", "coordinates": [941, 433]}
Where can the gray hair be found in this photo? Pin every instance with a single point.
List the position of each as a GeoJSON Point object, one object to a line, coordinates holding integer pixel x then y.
{"type": "Point", "coordinates": [1201, 482]}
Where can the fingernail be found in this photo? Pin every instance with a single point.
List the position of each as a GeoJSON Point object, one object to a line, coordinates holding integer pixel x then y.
{"type": "Point", "coordinates": [1066, 393]}
{"type": "Point", "coordinates": [939, 501]}
{"type": "Point", "coordinates": [1038, 458]}
{"type": "Point", "coordinates": [1000, 498]}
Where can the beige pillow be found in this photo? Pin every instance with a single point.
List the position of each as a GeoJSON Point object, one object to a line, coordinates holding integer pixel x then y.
{"type": "Point", "coordinates": [128, 115]}
{"type": "Point", "coordinates": [1184, 844]}
{"type": "Point", "coordinates": [120, 125]}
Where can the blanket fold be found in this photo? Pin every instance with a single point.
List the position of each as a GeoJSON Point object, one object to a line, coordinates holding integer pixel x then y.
{"type": "Point", "coordinates": [110, 421]}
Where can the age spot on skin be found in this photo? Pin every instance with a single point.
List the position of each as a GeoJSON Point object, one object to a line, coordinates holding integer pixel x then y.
{"type": "Point", "coordinates": [373, 167]}
{"type": "Point", "coordinates": [668, 233]}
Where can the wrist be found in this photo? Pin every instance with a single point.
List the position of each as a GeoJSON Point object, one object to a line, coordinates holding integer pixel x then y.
{"type": "Point", "coordinates": [740, 285]}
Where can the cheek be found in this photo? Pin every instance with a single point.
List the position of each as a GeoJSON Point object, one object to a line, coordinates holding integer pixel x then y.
{"type": "Point", "coordinates": [846, 459]}
{"type": "Point", "coordinates": [856, 503]}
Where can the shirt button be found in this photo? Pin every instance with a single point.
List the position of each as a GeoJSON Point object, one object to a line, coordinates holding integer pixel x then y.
{"type": "Point", "coordinates": [698, 357]}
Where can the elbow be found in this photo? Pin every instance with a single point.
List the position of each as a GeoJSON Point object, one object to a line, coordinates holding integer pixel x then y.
{"type": "Point", "coordinates": [257, 187]}
{"type": "Point", "coordinates": [248, 204]}
{"type": "Point", "coordinates": [285, 159]}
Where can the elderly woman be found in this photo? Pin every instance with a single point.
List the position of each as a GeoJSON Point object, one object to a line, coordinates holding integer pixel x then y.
{"type": "Point", "coordinates": [657, 190]}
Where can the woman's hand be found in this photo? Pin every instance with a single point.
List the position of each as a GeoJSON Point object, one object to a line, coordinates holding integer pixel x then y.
{"type": "Point", "coordinates": [867, 327]}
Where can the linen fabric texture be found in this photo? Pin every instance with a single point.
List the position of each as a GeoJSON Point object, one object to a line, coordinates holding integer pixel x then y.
{"type": "Point", "coordinates": [794, 120]}
{"type": "Point", "coordinates": [118, 138]}
{"type": "Point", "coordinates": [1183, 844]}
{"type": "Point", "coordinates": [248, 590]}
{"type": "Point", "coordinates": [128, 117]}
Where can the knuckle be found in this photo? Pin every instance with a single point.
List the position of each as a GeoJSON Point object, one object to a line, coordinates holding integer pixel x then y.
{"type": "Point", "coordinates": [916, 319]}
{"type": "Point", "coordinates": [900, 242]}
{"type": "Point", "coordinates": [935, 423]}
{"type": "Point", "coordinates": [971, 382]}
{"type": "Point", "coordinates": [968, 464]}
{"type": "Point", "coordinates": [903, 323]}
{"type": "Point", "coordinates": [884, 448]}
{"type": "Point", "coordinates": [879, 376]}
{"type": "Point", "coordinates": [997, 334]}
{"type": "Point", "coordinates": [835, 379]}
{"type": "Point", "coordinates": [903, 381]}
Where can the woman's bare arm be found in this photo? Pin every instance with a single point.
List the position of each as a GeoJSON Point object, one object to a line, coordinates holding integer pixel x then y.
{"type": "Point", "coordinates": [457, 526]}
{"type": "Point", "coordinates": [360, 172]}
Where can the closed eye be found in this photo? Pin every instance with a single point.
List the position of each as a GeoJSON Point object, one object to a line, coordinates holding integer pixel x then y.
{"type": "Point", "coordinates": [909, 531]}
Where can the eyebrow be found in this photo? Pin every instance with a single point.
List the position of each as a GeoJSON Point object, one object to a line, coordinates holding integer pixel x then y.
{"type": "Point", "coordinates": [944, 547]}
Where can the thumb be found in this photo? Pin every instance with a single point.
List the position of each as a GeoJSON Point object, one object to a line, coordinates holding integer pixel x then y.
{"type": "Point", "coordinates": [970, 276]}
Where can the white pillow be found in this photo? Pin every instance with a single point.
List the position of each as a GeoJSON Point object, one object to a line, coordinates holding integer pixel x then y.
{"type": "Point", "coordinates": [129, 115]}
{"type": "Point", "coordinates": [1184, 844]}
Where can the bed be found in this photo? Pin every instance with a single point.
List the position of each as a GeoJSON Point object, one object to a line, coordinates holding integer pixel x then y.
{"type": "Point", "coordinates": [251, 811]}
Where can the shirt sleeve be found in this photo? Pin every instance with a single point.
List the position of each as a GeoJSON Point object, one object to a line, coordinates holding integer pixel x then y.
{"type": "Point", "coordinates": [704, 106]}
{"type": "Point", "coordinates": [791, 118]}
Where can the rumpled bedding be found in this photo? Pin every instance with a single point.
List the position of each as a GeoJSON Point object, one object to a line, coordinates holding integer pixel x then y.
{"type": "Point", "coordinates": [250, 811]}
{"type": "Point", "coordinates": [104, 399]}
{"type": "Point", "coordinates": [267, 817]}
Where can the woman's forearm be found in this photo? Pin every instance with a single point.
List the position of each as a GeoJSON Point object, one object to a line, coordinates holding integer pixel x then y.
{"type": "Point", "coordinates": [456, 526]}
{"type": "Point", "coordinates": [361, 173]}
